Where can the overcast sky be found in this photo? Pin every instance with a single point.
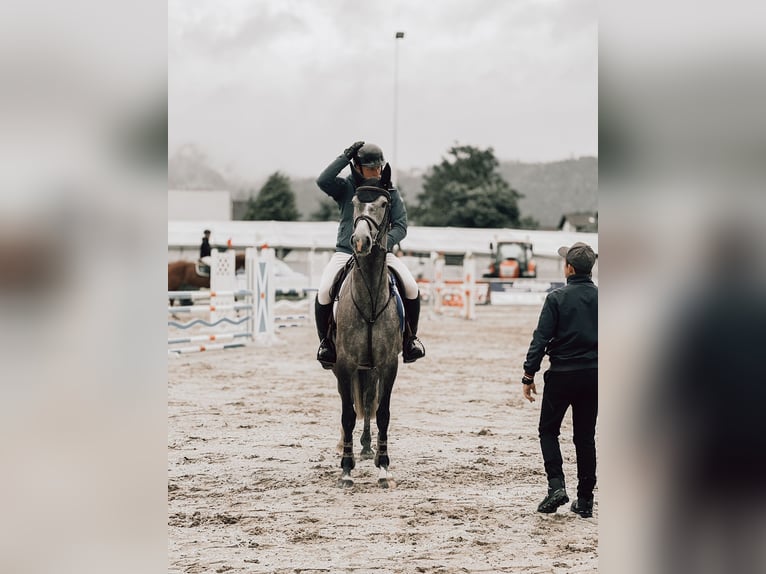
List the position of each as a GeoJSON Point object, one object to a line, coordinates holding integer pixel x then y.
{"type": "Point", "coordinates": [266, 85]}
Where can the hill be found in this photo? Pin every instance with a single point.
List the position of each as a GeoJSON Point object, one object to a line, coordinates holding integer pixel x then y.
{"type": "Point", "coordinates": [550, 189]}
{"type": "Point", "coordinates": [554, 188]}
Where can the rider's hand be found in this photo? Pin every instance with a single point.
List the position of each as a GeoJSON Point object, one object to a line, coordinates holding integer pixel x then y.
{"type": "Point", "coordinates": [350, 152]}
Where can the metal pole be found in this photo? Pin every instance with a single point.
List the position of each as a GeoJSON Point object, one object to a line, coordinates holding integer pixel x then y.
{"type": "Point", "coordinates": [397, 36]}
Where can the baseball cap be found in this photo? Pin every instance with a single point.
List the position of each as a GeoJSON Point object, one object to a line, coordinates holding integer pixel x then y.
{"type": "Point", "coordinates": [580, 256]}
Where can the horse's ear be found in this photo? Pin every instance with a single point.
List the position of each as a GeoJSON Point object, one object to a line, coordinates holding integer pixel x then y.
{"type": "Point", "coordinates": [385, 177]}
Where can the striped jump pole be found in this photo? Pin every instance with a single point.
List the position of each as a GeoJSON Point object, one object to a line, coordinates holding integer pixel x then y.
{"type": "Point", "coordinates": [194, 295]}
{"type": "Point", "coordinates": [469, 286]}
{"type": "Point", "coordinates": [211, 337]}
{"type": "Point", "coordinates": [299, 313]}
{"type": "Point", "coordinates": [455, 298]}
{"type": "Point", "coordinates": [202, 348]}
{"type": "Point", "coordinates": [212, 308]}
{"type": "Point", "coordinates": [260, 278]}
{"type": "Point", "coordinates": [224, 313]}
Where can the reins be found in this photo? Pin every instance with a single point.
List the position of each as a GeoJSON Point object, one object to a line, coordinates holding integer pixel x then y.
{"type": "Point", "coordinates": [374, 315]}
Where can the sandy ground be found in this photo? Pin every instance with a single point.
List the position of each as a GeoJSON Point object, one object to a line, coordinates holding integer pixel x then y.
{"type": "Point", "coordinates": [252, 462]}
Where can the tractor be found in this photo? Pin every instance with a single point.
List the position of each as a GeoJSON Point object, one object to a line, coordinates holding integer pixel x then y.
{"type": "Point", "coordinates": [511, 260]}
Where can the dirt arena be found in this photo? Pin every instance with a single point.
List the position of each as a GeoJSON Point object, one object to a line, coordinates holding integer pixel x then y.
{"type": "Point", "coordinates": [252, 462]}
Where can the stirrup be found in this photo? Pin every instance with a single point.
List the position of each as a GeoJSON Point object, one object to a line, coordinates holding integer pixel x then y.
{"type": "Point", "coordinates": [326, 346]}
{"type": "Point", "coordinates": [417, 350]}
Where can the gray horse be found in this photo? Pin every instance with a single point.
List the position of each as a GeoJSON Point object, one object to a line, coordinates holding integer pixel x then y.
{"type": "Point", "coordinates": [368, 336]}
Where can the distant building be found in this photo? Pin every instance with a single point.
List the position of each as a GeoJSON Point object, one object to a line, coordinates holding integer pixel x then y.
{"type": "Point", "coordinates": [586, 222]}
{"type": "Point", "coordinates": [197, 205]}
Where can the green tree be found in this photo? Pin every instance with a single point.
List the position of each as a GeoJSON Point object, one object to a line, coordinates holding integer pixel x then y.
{"type": "Point", "coordinates": [327, 211]}
{"type": "Point", "coordinates": [466, 190]}
{"type": "Point", "coordinates": [275, 201]}
{"type": "Point", "coordinates": [529, 222]}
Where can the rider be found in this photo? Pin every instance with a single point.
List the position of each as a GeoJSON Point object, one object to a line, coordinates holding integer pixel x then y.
{"type": "Point", "coordinates": [366, 162]}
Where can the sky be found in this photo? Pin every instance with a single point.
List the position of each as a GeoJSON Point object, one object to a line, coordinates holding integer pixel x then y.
{"type": "Point", "coordinates": [267, 85]}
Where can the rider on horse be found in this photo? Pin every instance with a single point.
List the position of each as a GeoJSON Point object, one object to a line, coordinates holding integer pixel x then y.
{"type": "Point", "coordinates": [367, 162]}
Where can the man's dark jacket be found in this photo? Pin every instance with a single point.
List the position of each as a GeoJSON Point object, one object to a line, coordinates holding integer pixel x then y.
{"type": "Point", "coordinates": [204, 249]}
{"type": "Point", "coordinates": [342, 191]}
{"type": "Point", "coordinates": [567, 330]}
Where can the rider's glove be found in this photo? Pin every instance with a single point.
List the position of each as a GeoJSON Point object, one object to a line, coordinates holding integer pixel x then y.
{"type": "Point", "coordinates": [350, 152]}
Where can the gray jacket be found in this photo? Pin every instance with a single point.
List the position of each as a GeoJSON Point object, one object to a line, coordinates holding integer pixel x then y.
{"type": "Point", "coordinates": [342, 191]}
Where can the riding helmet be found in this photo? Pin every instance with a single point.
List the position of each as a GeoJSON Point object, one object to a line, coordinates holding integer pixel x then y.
{"type": "Point", "coordinates": [370, 155]}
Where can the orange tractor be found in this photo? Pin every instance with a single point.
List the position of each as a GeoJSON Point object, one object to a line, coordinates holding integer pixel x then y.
{"type": "Point", "coordinates": [511, 260]}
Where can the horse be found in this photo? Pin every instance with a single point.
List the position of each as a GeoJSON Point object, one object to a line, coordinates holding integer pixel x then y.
{"type": "Point", "coordinates": [368, 336]}
{"type": "Point", "coordinates": [183, 276]}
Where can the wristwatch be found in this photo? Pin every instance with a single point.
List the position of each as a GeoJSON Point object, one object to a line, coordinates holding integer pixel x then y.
{"type": "Point", "coordinates": [527, 380]}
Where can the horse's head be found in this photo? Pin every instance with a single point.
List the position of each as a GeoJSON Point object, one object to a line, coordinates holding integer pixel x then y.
{"type": "Point", "coordinates": [372, 214]}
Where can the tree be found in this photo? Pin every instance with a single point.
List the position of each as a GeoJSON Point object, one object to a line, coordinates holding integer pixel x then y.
{"type": "Point", "coordinates": [327, 211]}
{"type": "Point", "coordinates": [467, 191]}
{"type": "Point", "coordinates": [275, 201]}
{"type": "Point", "coordinates": [529, 222]}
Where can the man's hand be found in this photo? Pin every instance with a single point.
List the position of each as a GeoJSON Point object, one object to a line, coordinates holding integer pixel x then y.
{"type": "Point", "coordinates": [528, 382]}
{"type": "Point", "coordinates": [350, 152]}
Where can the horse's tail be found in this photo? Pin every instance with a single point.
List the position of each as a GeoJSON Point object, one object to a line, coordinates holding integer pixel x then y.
{"type": "Point", "coordinates": [358, 404]}
{"type": "Point", "coordinates": [366, 393]}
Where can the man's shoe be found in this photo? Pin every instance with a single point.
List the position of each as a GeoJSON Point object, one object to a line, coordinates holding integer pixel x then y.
{"type": "Point", "coordinates": [583, 507]}
{"type": "Point", "coordinates": [413, 350]}
{"type": "Point", "coordinates": [326, 353]}
{"type": "Point", "coordinates": [556, 497]}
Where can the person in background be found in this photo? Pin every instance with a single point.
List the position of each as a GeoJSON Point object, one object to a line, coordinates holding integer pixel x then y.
{"type": "Point", "coordinates": [204, 248]}
{"type": "Point", "coordinates": [366, 161]}
{"type": "Point", "coordinates": [567, 331]}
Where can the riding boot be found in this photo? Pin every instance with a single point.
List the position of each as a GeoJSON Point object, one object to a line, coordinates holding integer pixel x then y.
{"type": "Point", "coordinates": [326, 352]}
{"type": "Point", "coordinates": [412, 349]}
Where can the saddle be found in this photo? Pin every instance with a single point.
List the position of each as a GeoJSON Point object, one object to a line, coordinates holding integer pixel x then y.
{"type": "Point", "coordinates": [395, 285]}
{"type": "Point", "coordinates": [202, 267]}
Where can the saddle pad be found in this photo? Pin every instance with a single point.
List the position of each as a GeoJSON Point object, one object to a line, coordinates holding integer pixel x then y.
{"type": "Point", "coordinates": [393, 289]}
{"type": "Point", "coordinates": [202, 269]}
{"type": "Point", "coordinates": [398, 299]}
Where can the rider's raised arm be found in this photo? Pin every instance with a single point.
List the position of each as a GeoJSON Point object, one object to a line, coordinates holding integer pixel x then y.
{"type": "Point", "coordinates": [329, 182]}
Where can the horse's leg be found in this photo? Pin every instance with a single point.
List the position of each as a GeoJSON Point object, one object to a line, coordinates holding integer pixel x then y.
{"type": "Point", "coordinates": [348, 420]}
{"type": "Point", "coordinates": [383, 417]}
{"type": "Point", "coordinates": [367, 386]}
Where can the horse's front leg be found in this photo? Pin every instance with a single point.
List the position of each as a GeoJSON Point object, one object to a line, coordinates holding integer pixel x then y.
{"type": "Point", "coordinates": [367, 386]}
{"type": "Point", "coordinates": [383, 417]}
{"type": "Point", "coordinates": [348, 420]}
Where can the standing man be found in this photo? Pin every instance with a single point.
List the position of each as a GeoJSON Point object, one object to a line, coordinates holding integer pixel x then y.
{"type": "Point", "coordinates": [567, 332]}
{"type": "Point", "coordinates": [366, 162]}
{"type": "Point", "coordinates": [204, 248]}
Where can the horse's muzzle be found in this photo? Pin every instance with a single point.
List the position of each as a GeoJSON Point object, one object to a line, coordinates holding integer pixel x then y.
{"type": "Point", "coordinates": [361, 240]}
{"type": "Point", "coordinates": [362, 244]}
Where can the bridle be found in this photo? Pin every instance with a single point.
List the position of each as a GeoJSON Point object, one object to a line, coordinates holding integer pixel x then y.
{"type": "Point", "coordinates": [367, 194]}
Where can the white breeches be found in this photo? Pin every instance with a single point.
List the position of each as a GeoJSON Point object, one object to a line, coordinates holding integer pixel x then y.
{"type": "Point", "coordinates": [339, 259]}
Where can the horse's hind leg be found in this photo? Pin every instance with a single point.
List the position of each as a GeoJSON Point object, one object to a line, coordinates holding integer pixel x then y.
{"type": "Point", "coordinates": [368, 397]}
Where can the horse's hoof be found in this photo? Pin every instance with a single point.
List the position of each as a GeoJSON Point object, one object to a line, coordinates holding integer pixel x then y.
{"type": "Point", "coordinates": [384, 478]}
{"type": "Point", "coordinates": [345, 483]}
{"type": "Point", "coordinates": [367, 454]}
